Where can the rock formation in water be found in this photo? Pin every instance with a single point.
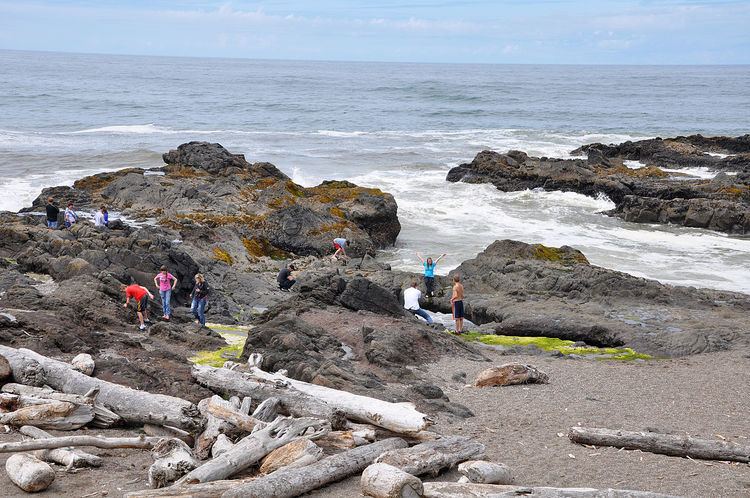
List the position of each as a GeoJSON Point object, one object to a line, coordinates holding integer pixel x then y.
{"type": "Point", "coordinates": [645, 195]}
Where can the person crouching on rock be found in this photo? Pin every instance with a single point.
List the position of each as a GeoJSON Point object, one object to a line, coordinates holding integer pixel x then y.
{"type": "Point", "coordinates": [166, 283]}
{"type": "Point", "coordinates": [285, 278]}
{"type": "Point", "coordinates": [340, 245]}
{"type": "Point", "coordinates": [457, 302]}
{"type": "Point", "coordinates": [200, 299]}
{"type": "Point", "coordinates": [411, 302]}
{"type": "Point", "coordinates": [429, 273]}
{"type": "Point", "coordinates": [140, 295]}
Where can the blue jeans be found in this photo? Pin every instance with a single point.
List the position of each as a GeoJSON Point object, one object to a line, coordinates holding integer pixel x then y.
{"type": "Point", "coordinates": [165, 298]}
{"type": "Point", "coordinates": [423, 314]}
{"type": "Point", "coordinates": [199, 309]}
{"type": "Point", "coordinates": [52, 224]}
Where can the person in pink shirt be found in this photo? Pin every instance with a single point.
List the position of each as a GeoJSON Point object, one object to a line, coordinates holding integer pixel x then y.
{"type": "Point", "coordinates": [166, 283]}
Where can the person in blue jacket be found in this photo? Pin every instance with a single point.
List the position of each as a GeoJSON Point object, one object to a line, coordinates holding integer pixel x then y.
{"type": "Point", "coordinates": [429, 273]}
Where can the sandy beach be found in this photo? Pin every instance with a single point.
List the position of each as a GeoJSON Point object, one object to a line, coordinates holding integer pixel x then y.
{"type": "Point", "coordinates": [526, 427]}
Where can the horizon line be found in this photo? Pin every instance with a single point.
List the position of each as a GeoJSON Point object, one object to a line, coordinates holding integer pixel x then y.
{"type": "Point", "coordinates": [349, 61]}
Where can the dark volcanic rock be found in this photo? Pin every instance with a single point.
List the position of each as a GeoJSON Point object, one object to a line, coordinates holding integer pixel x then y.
{"type": "Point", "coordinates": [532, 290]}
{"type": "Point", "coordinates": [241, 211]}
{"type": "Point", "coordinates": [319, 337]}
{"type": "Point", "coordinates": [640, 195]}
{"type": "Point", "coordinates": [678, 152]}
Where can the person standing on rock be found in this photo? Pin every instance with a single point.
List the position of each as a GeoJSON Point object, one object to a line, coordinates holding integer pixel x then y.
{"type": "Point", "coordinates": [166, 283]}
{"type": "Point", "coordinates": [340, 245]}
{"type": "Point", "coordinates": [429, 273]}
{"type": "Point", "coordinates": [140, 295]}
{"type": "Point", "coordinates": [71, 218]}
{"type": "Point", "coordinates": [52, 213]}
{"type": "Point", "coordinates": [457, 302]}
{"type": "Point", "coordinates": [200, 299]}
{"type": "Point", "coordinates": [285, 278]}
{"type": "Point", "coordinates": [99, 217]}
{"type": "Point", "coordinates": [411, 302]}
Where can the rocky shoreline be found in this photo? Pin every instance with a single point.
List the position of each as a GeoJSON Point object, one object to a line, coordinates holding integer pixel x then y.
{"type": "Point", "coordinates": [344, 326]}
{"type": "Point", "coordinates": [645, 194]}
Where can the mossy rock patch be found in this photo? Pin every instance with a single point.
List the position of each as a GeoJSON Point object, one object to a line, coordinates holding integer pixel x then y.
{"type": "Point", "coordinates": [563, 346]}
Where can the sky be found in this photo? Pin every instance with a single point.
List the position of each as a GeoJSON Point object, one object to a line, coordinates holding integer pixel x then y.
{"type": "Point", "coordinates": [481, 31]}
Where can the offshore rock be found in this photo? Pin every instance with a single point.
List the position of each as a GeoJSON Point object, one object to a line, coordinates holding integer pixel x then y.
{"type": "Point", "coordinates": [640, 195]}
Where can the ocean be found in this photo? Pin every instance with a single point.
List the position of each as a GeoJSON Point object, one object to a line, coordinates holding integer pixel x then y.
{"type": "Point", "coordinates": [396, 126]}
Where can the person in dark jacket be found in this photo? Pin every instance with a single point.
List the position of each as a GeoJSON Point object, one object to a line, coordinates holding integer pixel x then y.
{"type": "Point", "coordinates": [200, 299]}
{"type": "Point", "coordinates": [285, 278]}
{"type": "Point", "coordinates": [52, 213]}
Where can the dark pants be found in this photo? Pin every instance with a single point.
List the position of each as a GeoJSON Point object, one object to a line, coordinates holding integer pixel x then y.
{"type": "Point", "coordinates": [287, 284]}
{"type": "Point", "coordinates": [429, 283]}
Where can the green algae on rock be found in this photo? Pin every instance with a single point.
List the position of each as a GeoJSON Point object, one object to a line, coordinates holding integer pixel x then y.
{"type": "Point", "coordinates": [235, 340]}
{"type": "Point", "coordinates": [553, 344]}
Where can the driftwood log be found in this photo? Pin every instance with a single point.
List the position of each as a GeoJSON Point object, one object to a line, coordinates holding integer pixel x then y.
{"type": "Point", "coordinates": [103, 416]}
{"type": "Point", "coordinates": [251, 449]}
{"type": "Point", "coordinates": [141, 442]}
{"type": "Point", "coordinates": [377, 433]}
{"type": "Point", "coordinates": [288, 483]}
{"type": "Point", "coordinates": [295, 454]}
{"type": "Point", "coordinates": [212, 489]}
{"type": "Point", "coordinates": [133, 406]}
{"type": "Point", "coordinates": [172, 460]}
{"type": "Point", "coordinates": [511, 374]}
{"type": "Point", "coordinates": [381, 480]}
{"type": "Point", "coordinates": [268, 410]}
{"type": "Point", "coordinates": [665, 444]}
{"type": "Point", "coordinates": [166, 431]}
{"type": "Point", "coordinates": [433, 456]}
{"type": "Point", "coordinates": [221, 445]}
{"type": "Point", "coordinates": [397, 417]}
{"type": "Point", "coordinates": [231, 414]}
{"type": "Point", "coordinates": [458, 490]}
{"type": "Point", "coordinates": [295, 403]}
{"type": "Point", "coordinates": [482, 472]}
{"type": "Point", "coordinates": [71, 458]}
{"type": "Point", "coordinates": [29, 473]}
{"type": "Point", "coordinates": [49, 414]}
{"type": "Point", "coordinates": [344, 440]}
{"type": "Point", "coordinates": [214, 425]}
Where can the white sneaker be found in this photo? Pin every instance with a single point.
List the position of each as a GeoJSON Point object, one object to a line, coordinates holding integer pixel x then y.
{"type": "Point", "coordinates": [142, 327]}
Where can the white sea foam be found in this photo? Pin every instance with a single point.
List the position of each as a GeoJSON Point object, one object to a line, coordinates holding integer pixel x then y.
{"type": "Point", "coordinates": [698, 172]}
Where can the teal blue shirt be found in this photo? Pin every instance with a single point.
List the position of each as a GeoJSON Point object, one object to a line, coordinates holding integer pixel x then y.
{"type": "Point", "coordinates": [429, 269]}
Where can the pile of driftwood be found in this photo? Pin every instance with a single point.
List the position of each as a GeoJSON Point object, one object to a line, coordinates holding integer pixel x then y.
{"type": "Point", "coordinates": [268, 436]}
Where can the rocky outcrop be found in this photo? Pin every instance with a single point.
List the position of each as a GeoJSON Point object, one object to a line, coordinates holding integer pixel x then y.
{"type": "Point", "coordinates": [343, 330]}
{"type": "Point", "coordinates": [80, 309]}
{"type": "Point", "coordinates": [679, 152]}
{"type": "Point", "coordinates": [641, 195]}
{"type": "Point", "coordinates": [534, 290]}
{"type": "Point", "coordinates": [241, 211]}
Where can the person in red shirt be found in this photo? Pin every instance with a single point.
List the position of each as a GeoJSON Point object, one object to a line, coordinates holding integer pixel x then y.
{"type": "Point", "coordinates": [140, 295]}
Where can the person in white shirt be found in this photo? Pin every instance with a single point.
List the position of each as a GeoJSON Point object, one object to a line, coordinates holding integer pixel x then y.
{"type": "Point", "coordinates": [99, 220]}
{"type": "Point", "coordinates": [411, 302]}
